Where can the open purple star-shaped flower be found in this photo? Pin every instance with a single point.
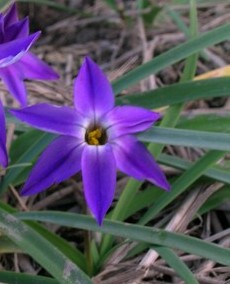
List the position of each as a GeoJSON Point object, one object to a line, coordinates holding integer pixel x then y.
{"type": "Point", "coordinates": [16, 63]}
{"type": "Point", "coordinates": [95, 137]}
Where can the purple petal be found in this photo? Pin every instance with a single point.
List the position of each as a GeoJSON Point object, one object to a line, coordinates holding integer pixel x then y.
{"type": "Point", "coordinates": [93, 93]}
{"type": "Point", "coordinates": [60, 120]}
{"type": "Point", "coordinates": [11, 76]}
{"type": "Point", "coordinates": [129, 119]}
{"type": "Point", "coordinates": [17, 30]}
{"type": "Point", "coordinates": [1, 29]}
{"type": "Point", "coordinates": [11, 16]}
{"type": "Point", "coordinates": [60, 160]}
{"type": "Point", "coordinates": [3, 151]}
{"type": "Point", "coordinates": [12, 51]}
{"type": "Point", "coordinates": [99, 179]}
{"type": "Point", "coordinates": [133, 159]}
{"type": "Point", "coordinates": [34, 68]}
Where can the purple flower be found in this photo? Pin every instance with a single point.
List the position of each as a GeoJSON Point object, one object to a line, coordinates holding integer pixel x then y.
{"type": "Point", "coordinates": [3, 152]}
{"type": "Point", "coordinates": [95, 137]}
{"type": "Point", "coordinates": [16, 63]}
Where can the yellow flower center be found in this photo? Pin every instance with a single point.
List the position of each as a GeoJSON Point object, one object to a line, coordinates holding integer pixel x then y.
{"type": "Point", "coordinates": [93, 137]}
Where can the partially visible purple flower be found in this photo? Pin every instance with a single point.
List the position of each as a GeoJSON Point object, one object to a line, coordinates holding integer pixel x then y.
{"type": "Point", "coordinates": [3, 152]}
{"type": "Point", "coordinates": [95, 137]}
{"type": "Point", "coordinates": [16, 62]}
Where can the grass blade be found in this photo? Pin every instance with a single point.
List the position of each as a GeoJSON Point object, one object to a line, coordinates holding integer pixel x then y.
{"type": "Point", "coordinates": [47, 255]}
{"type": "Point", "coordinates": [172, 56]}
{"type": "Point", "coordinates": [215, 200]}
{"type": "Point", "coordinates": [182, 183]}
{"type": "Point", "coordinates": [22, 278]}
{"type": "Point", "coordinates": [69, 251]}
{"type": "Point", "coordinates": [179, 93]}
{"type": "Point", "coordinates": [189, 138]}
{"type": "Point", "coordinates": [7, 246]}
{"type": "Point", "coordinates": [134, 232]}
{"type": "Point", "coordinates": [72, 253]}
{"type": "Point", "coordinates": [177, 264]}
{"type": "Point", "coordinates": [25, 149]}
{"type": "Point", "coordinates": [207, 122]}
{"type": "Point", "coordinates": [213, 173]}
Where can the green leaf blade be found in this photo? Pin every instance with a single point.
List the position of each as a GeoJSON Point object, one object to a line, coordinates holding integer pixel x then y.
{"type": "Point", "coordinates": [179, 93]}
{"type": "Point", "coordinates": [134, 232]}
{"type": "Point", "coordinates": [47, 255]}
{"type": "Point", "coordinates": [182, 183]}
{"type": "Point", "coordinates": [189, 138]}
{"type": "Point", "coordinates": [22, 278]}
{"type": "Point", "coordinates": [172, 56]}
{"type": "Point", "coordinates": [177, 264]}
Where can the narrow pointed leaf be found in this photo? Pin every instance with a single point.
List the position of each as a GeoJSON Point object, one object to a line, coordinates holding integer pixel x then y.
{"type": "Point", "coordinates": [22, 278]}
{"type": "Point", "coordinates": [134, 232]}
{"type": "Point", "coordinates": [47, 255]}
{"type": "Point", "coordinates": [177, 264]}
{"type": "Point", "coordinates": [182, 183]}
{"type": "Point", "coordinates": [25, 149]}
{"type": "Point", "coordinates": [189, 138]}
{"type": "Point", "coordinates": [179, 93]}
{"type": "Point", "coordinates": [172, 56]}
{"type": "Point", "coordinates": [215, 173]}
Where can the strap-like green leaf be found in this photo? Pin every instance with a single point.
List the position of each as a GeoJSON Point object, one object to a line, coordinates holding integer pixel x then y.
{"type": "Point", "coordinates": [134, 232]}
{"type": "Point", "coordinates": [25, 149]}
{"type": "Point", "coordinates": [172, 56]}
{"type": "Point", "coordinates": [189, 138]}
{"type": "Point", "coordinates": [47, 255]}
{"type": "Point", "coordinates": [179, 93]}
{"type": "Point", "coordinates": [178, 163]}
{"type": "Point", "coordinates": [182, 183]}
{"type": "Point", "coordinates": [177, 264]}
{"type": "Point", "coordinates": [22, 278]}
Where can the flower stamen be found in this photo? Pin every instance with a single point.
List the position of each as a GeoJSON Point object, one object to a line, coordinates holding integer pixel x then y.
{"type": "Point", "coordinates": [96, 136]}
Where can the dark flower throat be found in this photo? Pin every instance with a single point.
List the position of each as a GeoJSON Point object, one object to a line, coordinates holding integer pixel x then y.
{"type": "Point", "coordinates": [96, 136]}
